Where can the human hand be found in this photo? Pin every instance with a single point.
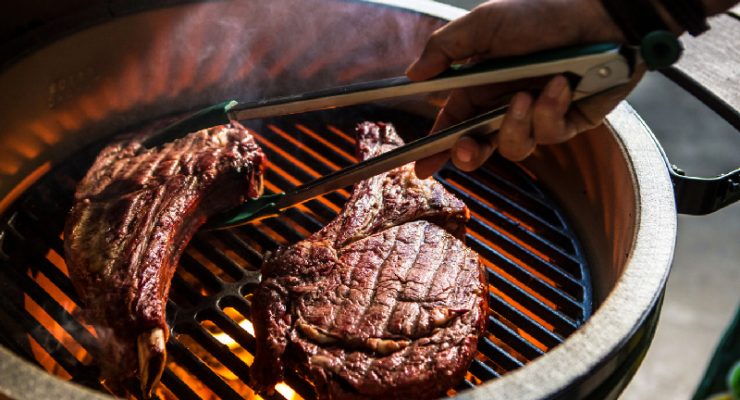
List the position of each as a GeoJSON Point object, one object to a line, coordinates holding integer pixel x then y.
{"type": "Point", "coordinates": [501, 28]}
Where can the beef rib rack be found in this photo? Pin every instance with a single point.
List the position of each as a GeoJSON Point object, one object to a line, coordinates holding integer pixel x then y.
{"type": "Point", "coordinates": [134, 213]}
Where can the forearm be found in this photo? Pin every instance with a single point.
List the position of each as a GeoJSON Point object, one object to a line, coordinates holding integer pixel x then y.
{"type": "Point", "coordinates": [717, 6]}
{"type": "Point", "coordinates": [712, 7]}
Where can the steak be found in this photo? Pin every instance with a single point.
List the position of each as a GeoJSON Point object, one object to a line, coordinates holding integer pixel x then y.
{"type": "Point", "coordinates": [385, 301]}
{"type": "Point", "coordinates": [133, 215]}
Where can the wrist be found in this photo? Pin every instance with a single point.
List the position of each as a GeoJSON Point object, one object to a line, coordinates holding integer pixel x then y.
{"type": "Point", "coordinates": [664, 15]}
{"type": "Point", "coordinates": [597, 25]}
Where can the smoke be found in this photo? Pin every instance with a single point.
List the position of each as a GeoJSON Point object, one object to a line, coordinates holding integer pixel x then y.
{"type": "Point", "coordinates": [253, 50]}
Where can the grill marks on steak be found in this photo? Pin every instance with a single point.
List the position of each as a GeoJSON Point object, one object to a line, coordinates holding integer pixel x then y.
{"type": "Point", "coordinates": [383, 302]}
{"type": "Point", "coordinates": [133, 214]}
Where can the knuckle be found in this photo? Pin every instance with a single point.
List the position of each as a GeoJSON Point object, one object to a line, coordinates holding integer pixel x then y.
{"type": "Point", "coordinates": [548, 128]}
{"type": "Point", "coordinates": [515, 155]}
{"type": "Point", "coordinates": [549, 135]}
{"type": "Point", "coordinates": [515, 151]}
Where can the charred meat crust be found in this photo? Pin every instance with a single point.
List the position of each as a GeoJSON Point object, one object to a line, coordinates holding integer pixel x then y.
{"type": "Point", "coordinates": [133, 214]}
{"type": "Point", "coordinates": [385, 301]}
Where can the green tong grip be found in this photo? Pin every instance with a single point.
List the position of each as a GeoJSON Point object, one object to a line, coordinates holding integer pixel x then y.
{"type": "Point", "coordinates": [251, 210]}
{"type": "Point", "coordinates": [660, 49]}
{"type": "Point", "coordinates": [217, 114]}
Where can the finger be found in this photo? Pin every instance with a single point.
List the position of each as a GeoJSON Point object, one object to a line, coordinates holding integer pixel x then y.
{"type": "Point", "coordinates": [454, 41]}
{"type": "Point", "coordinates": [457, 109]}
{"type": "Point", "coordinates": [548, 116]}
{"type": "Point", "coordinates": [469, 153]}
{"type": "Point", "coordinates": [465, 103]}
{"type": "Point", "coordinates": [426, 167]}
{"type": "Point", "coordinates": [590, 112]}
{"type": "Point", "coordinates": [515, 140]}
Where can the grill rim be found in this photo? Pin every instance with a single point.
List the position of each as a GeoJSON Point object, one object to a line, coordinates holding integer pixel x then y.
{"type": "Point", "coordinates": [656, 224]}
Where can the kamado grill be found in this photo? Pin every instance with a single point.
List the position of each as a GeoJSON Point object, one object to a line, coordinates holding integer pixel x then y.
{"type": "Point", "coordinates": [577, 241]}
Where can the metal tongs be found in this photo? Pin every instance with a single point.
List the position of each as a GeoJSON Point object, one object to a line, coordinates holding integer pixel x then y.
{"type": "Point", "coordinates": [591, 69]}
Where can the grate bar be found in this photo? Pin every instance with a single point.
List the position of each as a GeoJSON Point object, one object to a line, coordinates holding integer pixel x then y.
{"type": "Point", "coordinates": [240, 304]}
{"type": "Point", "coordinates": [56, 311]}
{"type": "Point", "coordinates": [13, 327]}
{"type": "Point", "coordinates": [510, 176]}
{"type": "Point", "coordinates": [296, 172]}
{"type": "Point", "coordinates": [278, 225]}
{"type": "Point", "coordinates": [464, 385]}
{"type": "Point", "coordinates": [219, 351]}
{"type": "Point", "coordinates": [498, 355]}
{"type": "Point", "coordinates": [58, 278]}
{"type": "Point", "coordinates": [309, 137]}
{"type": "Point", "coordinates": [318, 164]}
{"type": "Point", "coordinates": [539, 332]}
{"type": "Point", "coordinates": [557, 296]}
{"type": "Point", "coordinates": [235, 243]}
{"type": "Point", "coordinates": [198, 270]}
{"type": "Point", "coordinates": [49, 343]}
{"type": "Point", "coordinates": [517, 342]}
{"type": "Point", "coordinates": [214, 253]}
{"type": "Point", "coordinates": [197, 367]}
{"type": "Point", "coordinates": [568, 281]}
{"type": "Point", "coordinates": [544, 218]}
{"type": "Point", "coordinates": [311, 224]}
{"type": "Point", "coordinates": [231, 328]}
{"type": "Point", "coordinates": [177, 386]}
{"type": "Point", "coordinates": [560, 321]}
{"type": "Point", "coordinates": [536, 239]}
{"type": "Point", "coordinates": [529, 201]}
{"type": "Point", "coordinates": [482, 371]}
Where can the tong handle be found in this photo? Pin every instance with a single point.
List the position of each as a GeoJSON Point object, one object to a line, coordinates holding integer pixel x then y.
{"type": "Point", "coordinates": [273, 204]}
{"type": "Point", "coordinates": [576, 60]}
{"type": "Point", "coordinates": [570, 55]}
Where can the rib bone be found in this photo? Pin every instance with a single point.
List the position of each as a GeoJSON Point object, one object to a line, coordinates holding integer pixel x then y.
{"type": "Point", "coordinates": [152, 357]}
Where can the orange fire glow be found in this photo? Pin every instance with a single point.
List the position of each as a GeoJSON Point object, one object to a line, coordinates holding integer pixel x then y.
{"type": "Point", "coordinates": [244, 355]}
{"type": "Point", "coordinates": [57, 332]}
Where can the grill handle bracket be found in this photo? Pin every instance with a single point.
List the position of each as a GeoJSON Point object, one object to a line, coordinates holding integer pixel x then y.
{"type": "Point", "coordinates": [700, 195]}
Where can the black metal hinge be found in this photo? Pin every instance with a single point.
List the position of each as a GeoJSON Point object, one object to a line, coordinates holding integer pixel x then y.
{"type": "Point", "coordinates": [701, 196]}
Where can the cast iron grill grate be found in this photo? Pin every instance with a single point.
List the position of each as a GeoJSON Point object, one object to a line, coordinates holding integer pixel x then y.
{"type": "Point", "coordinates": [539, 286]}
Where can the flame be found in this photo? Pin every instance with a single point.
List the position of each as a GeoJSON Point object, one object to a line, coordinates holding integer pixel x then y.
{"type": "Point", "coordinates": [53, 334]}
{"type": "Point", "coordinates": [224, 338]}
{"type": "Point", "coordinates": [287, 392]}
{"type": "Point", "coordinates": [239, 351]}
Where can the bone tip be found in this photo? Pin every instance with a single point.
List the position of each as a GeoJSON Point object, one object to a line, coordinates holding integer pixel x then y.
{"type": "Point", "coordinates": [152, 357]}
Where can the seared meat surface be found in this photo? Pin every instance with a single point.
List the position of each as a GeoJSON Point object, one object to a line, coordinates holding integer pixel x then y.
{"type": "Point", "coordinates": [133, 215]}
{"type": "Point", "coordinates": [385, 301]}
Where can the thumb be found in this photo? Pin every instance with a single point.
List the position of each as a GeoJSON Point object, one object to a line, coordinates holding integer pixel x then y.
{"type": "Point", "coordinates": [430, 63]}
{"type": "Point", "coordinates": [454, 41]}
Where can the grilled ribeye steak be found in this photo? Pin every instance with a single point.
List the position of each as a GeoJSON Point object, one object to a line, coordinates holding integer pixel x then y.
{"type": "Point", "coordinates": [385, 301]}
{"type": "Point", "coordinates": [133, 214]}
